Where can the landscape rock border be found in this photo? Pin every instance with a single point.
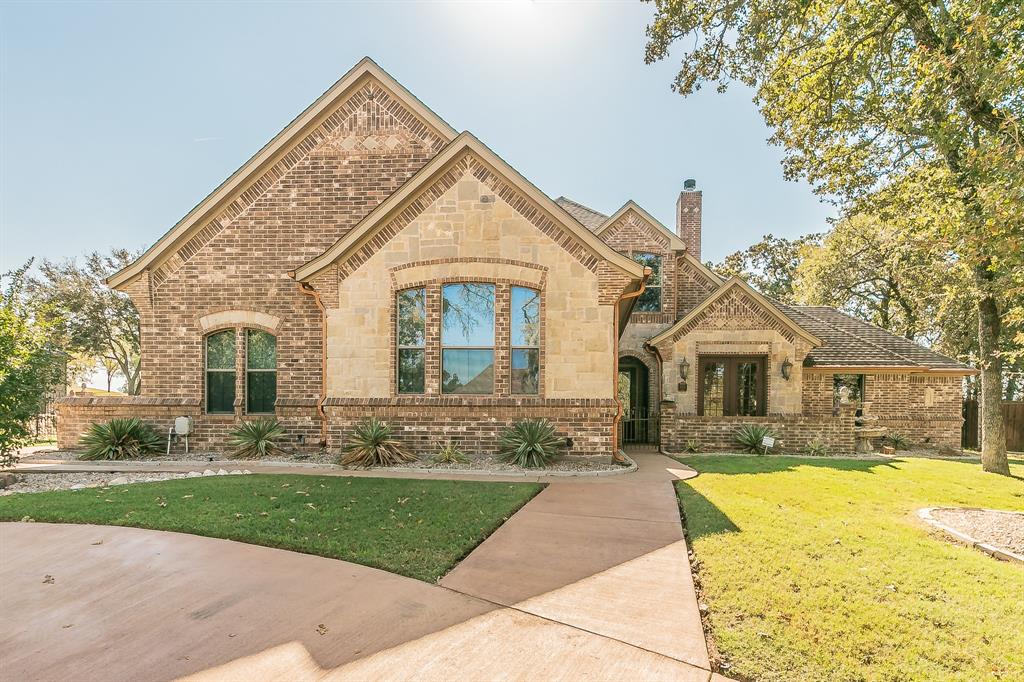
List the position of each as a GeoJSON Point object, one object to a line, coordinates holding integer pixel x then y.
{"type": "Point", "coordinates": [961, 537]}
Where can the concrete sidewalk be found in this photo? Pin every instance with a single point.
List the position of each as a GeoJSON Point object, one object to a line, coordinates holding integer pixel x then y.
{"type": "Point", "coordinates": [589, 580]}
{"type": "Point", "coordinates": [608, 559]}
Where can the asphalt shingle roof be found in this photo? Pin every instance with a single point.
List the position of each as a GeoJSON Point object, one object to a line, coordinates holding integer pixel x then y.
{"type": "Point", "coordinates": [850, 342]}
{"type": "Point", "coordinates": [587, 216]}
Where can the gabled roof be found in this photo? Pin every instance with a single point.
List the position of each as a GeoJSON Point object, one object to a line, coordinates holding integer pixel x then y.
{"type": "Point", "coordinates": [674, 241]}
{"type": "Point", "coordinates": [737, 283]}
{"type": "Point", "coordinates": [239, 181]}
{"type": "Point", "coordinates": [587, 216]}
{"type": "Point", "coordinates": [398, 201]}
{"type": "Point", "coordinates": [852, 343]}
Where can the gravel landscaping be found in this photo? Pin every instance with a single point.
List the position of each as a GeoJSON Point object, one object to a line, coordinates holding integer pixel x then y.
{"type": "Point", "coordinates": [38, 483]}
{"type": "Point", "coordinates": [567, 464]}
{"type": "Point", "coordinates": [1001, 529]}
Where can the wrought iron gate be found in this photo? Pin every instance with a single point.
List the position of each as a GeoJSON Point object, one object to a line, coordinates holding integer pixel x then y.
{"type": "Point", "coordinates": [639, 427]}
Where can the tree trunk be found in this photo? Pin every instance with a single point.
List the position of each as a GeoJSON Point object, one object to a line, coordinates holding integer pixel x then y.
{"type": "Point", "coordinates": [993, 435]}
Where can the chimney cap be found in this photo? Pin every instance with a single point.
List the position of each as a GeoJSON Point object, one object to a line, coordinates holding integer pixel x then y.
{"type": "Point", "coordinates": [689, 185]}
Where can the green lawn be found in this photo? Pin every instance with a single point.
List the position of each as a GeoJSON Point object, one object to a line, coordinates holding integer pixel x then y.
{"type": "Point", "coordinates": [819, 569]}
{"type": "Point", "coordinates": [416, 528]}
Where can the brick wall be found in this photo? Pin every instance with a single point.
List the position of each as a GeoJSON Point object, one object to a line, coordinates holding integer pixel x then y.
{"type": "Point", "coordinates": [925, 408]}
{"type": "Point", "coordinates": [210, 432]}
{"type": "Point", "coordinates": [632, 234]}
{"type": "Point", "coordinates": [688, 220]}
{"type": "Point", "coordinates": [474, 423]}
{"type": "Point", "coordinates": [358, 156]}
{"type": "Point", "coordinates": [717, 434]}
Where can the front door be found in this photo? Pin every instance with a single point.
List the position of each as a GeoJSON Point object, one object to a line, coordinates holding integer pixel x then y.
{"type": "Point", "coordinates": [732, 386]}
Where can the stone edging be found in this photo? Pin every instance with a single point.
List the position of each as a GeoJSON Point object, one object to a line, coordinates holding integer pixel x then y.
{"type": "Point", "coordinates": [121, 466]}
{"type": "Point", "coordinates": [997, 552]}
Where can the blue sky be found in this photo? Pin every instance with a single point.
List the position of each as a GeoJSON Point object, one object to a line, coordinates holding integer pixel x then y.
{"type": "Point", "coordinates": [117, 118]}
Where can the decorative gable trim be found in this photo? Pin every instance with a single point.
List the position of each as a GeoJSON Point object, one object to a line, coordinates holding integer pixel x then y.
{"type": "Point", "coordinates": [742, 294]}
{"type": "Point", "coordinates": [466, 155]}
{"type": "Point", "coordinates": [713, 278]}
{"type": "Point", "coordinates": [363, 83]}
{"type": "Point", "coordinates": [632, 213]}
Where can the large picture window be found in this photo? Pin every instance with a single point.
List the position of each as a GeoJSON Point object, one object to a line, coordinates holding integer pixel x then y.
{"type": "Point", "coordinates": [411, 337]}
{"type": "Point", "coordinates": [650, 300]}
{"type": "Point", "coordinates": [732, 386]}
{"type": "Point", "coordinates": [260, 371]}
{"type": "Point", "coordinates": [220, 372]}
{"type": "Point", "coordinates": [467, 338]}
{"type": "Point", "coordinates": [525, 340]}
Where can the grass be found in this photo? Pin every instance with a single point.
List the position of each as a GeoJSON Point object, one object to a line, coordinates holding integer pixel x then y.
{"type": "Point", "coordinates": [420, 529]}
{"type": "Point", "coordinates": [819, 569]}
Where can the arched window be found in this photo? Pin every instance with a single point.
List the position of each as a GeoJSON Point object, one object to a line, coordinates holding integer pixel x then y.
{"type": "Point", "coordinates": [260, 371]}
{"type": "Point", "coordinates": [650, 300]}
{"type": "Point", "coordinates": [220, 372]}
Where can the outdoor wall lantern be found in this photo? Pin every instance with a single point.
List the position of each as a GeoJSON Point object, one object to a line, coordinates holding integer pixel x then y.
{"type": "Point", "coordinates": [787, 369]}
{"type": "Point", "coordinates": [684, 371]}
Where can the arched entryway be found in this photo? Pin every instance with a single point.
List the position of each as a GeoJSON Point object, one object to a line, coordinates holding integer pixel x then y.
{"type": "Point", "coordinates": [639, 426]}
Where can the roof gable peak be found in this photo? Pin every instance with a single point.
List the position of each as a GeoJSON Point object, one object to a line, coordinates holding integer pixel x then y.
{"type": "Point", "coordinates": [277, 151]}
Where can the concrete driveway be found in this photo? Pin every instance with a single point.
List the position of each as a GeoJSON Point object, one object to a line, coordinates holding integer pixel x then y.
{"type": "Point", "coordinates": [589, 581]}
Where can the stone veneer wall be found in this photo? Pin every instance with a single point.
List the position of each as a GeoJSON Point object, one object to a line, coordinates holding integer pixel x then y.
{"type": "Point", "coordinates": [210, 431]}
{"type": "Point", "coordinates": [926, 408]}
{"type": "Point", "coordinates": [475, 423]}
{"type": "Point", "coordinates": [795, 432]}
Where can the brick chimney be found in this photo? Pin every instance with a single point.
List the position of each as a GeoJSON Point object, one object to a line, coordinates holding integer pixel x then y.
{"type": "Point", "coordinates": [688, 210]}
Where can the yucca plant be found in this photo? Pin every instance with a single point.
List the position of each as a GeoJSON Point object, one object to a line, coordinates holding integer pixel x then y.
{"type": "Point", "coordinates": [897, 440]}
{"type": "Point", "coordinates": [122, 438]}
{"type": "Point", "coordinates": [450, 453]}
{"type": "Point", "coordinates": [692, 445]}
{"type": "Point", "coordinates": [749, 436]}
{"type": "Point", "coordinates": [371, 444]}
{"type": "Point", "coordinates": [257, 439]}
{"type": "Point", "coordinates": [817, 449]}
{"type": "Point", "coordinates": [529, 443]}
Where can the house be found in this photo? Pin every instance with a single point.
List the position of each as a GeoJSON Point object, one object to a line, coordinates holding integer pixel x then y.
{"type": "Point", "coordinates": [371, 260]}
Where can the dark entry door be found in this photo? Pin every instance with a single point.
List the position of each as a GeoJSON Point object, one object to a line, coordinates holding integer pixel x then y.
{"type": "Point", "coordinates": [637, 424]}
{"type": "Point", "coordinates": [732, 386]}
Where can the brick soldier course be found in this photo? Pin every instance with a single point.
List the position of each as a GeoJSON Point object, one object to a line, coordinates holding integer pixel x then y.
{"type": "Point", "coordinates": [368, 193]}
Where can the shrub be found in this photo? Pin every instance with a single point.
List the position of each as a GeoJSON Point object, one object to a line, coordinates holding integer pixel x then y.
{"type": "Point", "coordinates": [692, 445]}
{"type": "Point", "coordinates": [450, 453]}
{"type": "Point", "coordinates": [529, 443]}
{"type": "Point", "coordinates": [817, 449]}
{"type": "Point", "coordinates": [123, 438]}
{"type": "Point", "coordinates": [749, 436]}
{"type": "Point", "coordinates": [371, 444]}
{"type": "Point", "coordinates": [897, 440]}
{"type": "Point", "coordinates": [257, 439]}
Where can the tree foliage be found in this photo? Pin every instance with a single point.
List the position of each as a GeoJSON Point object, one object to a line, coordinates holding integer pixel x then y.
{"type": "Point", "coordinates": [769, 265]}
{"type": "Point", "coordinates": [30, 367]}
{"type": "Point", "coordinates": [92, 319]}
{"type": "Point", "coordinates": [887, 104]}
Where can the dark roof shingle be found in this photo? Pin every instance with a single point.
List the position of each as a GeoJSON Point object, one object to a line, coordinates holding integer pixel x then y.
{"type": "Point", "coordinates": [587, 216]}
{"type": "Point", "coordinates": [850, 342]}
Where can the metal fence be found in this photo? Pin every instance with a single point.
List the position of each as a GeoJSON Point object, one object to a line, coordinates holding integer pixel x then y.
{"type": "Point", "coordinates": [639, 427]}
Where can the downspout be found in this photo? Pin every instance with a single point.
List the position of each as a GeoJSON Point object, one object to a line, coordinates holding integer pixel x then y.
{"type": "Point", "coordinates": [615, 364]}
{"type": "Point", "coordinates": [661, 383]}
{"type": "Point", "coordinates": [308, 290]}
